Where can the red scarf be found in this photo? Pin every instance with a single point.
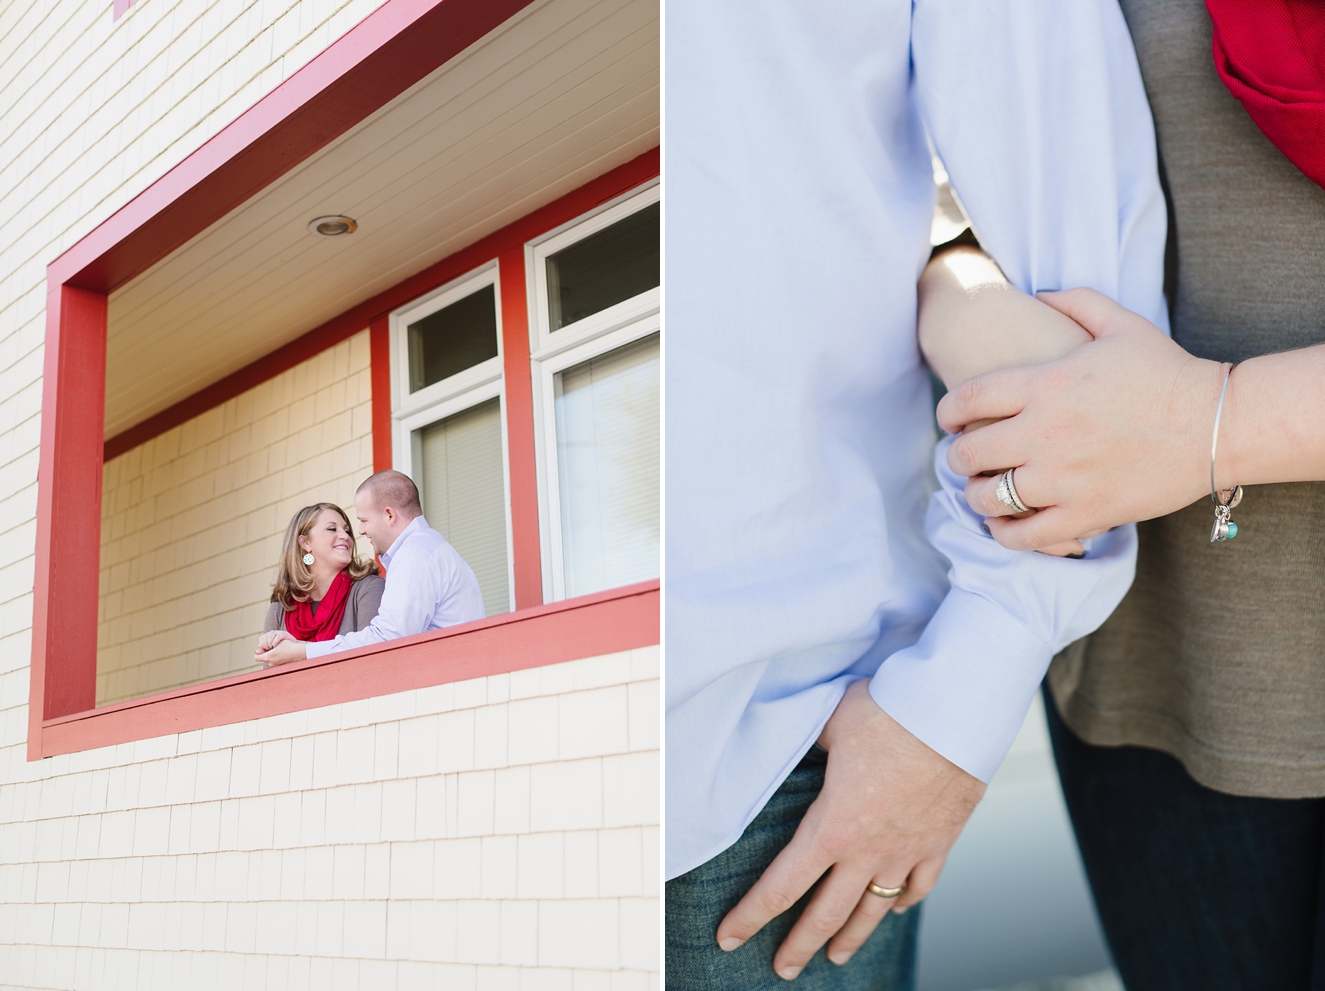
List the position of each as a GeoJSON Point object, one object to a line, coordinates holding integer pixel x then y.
{"type": "Point", "coordinates": [303, 624]}
{"type": "Point", "coordinates": [1271, 56]}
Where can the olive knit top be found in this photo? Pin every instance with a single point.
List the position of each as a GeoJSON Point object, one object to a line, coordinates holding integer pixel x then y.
{"type": "Point", "coordinates": [1217, 654]}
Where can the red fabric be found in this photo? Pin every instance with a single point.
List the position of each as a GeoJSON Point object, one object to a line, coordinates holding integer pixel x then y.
{"type": "Point", "coordinates": [1271, 56]}
{"type": "Point", "coordinates": [303, 624]}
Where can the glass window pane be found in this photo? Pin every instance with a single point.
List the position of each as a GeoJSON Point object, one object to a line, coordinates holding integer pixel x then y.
{"type": "Point", "coordinates": [608, 468]}
{"type": "Point", "coordinates": [454, 338]}
{"type": "Point", "coordinates": [615, 264]}
{"type": "Point", "coordinates": [464, 494]}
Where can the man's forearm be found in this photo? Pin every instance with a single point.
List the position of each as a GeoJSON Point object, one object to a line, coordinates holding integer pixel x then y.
{"type": "Point", "coordinates": [971, 320]}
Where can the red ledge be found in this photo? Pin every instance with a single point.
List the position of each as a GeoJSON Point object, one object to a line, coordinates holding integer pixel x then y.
{"type": "Point", "coordinates": [588, 626]}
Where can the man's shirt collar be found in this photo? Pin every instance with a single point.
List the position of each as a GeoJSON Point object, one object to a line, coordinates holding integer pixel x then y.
{"type": "Point", "coordinates": [415, 525]}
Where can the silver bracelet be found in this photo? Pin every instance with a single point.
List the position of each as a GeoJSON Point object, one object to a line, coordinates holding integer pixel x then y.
{"type": "Point", "coordinates": [1225, 500]}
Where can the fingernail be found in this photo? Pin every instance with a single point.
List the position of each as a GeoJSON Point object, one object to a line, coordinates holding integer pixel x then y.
{"type": "Point", "coordinates": [985, 528]}
{"type": "Point", "coordinates": [730, 943]}
{"type": "Point", "coordinates": [789, 973]}
{"type": "Point", "coordinates": [900, 909]}
{"type": "Point", "coordinates": [840, 957]}
{"type": "Point", "coordinates": [1078, 556]}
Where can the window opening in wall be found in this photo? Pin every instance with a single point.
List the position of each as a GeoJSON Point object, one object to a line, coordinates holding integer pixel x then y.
{"type": "Point", "coordinates": [605, 268]}
{"type": "Point", "coordinates": [452, 339]}
{"type": "Point", "coordinates": [462, 482]}
{"type": "Point", "coordinates": [608, 467]}
{"type": "Point", "coordinates": [449, 431]}
{"type": "Point", "coordinates": [596, 363]}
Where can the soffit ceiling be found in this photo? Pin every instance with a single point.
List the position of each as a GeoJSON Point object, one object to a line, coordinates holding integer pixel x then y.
{"type": "Point", "coordinates": [563, 92]}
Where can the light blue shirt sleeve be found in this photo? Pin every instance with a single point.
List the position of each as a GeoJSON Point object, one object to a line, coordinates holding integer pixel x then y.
{"type": "Point", "coordinates": [428, 587]}
{"type": "Point", "coordinates": [1038, 113]}
{"type": "Point", "coordinates": [964, 688]}
{"type": "Point", "coordinates": [806, 544]}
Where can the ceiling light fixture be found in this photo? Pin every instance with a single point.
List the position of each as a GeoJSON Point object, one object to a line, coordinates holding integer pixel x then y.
{"type": "Point", "coordinates": [332, 226]}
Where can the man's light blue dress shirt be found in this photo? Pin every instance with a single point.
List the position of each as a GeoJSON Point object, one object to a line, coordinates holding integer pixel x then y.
{"type": "Point", "coordinates": [808, 541]}
{"type": "Point", "coordinates": [428, 586]}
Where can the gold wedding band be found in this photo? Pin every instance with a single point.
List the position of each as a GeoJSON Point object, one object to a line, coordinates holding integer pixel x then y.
{"type": "Point", "coordinates": [874, 889]}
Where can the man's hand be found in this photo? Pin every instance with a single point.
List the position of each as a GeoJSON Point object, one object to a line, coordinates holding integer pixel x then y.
{"type": "Point", "coordinates": [1117, 431]}
{"type": "Point", "coordinates": [279, 647]}
{"type": "Point", "coordinates": [888, 813]}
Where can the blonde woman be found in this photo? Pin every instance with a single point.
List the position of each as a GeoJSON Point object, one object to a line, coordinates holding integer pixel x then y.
{"type": "Point", "coordinates": [323, 588]}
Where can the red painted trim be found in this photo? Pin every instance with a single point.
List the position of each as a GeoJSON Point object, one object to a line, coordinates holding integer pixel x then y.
{"type": "Point", "coordinates": [64, 648]}
{"type": "Point", "coordinates": [375, 61]}
{"type": "Point", "coordinates": [379, 350]}
{"type": "Point", "coordinates": [590, 626]}
{"type": "Point", "coordinates": [520, 441]}
{"type": "Point", "coordinates": [607, 186]}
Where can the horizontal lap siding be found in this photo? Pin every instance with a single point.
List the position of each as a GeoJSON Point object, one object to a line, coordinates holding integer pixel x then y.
{"type": "Point", "coordinates": [336, 848]}
{"type": "Point", "coordinates": [499, 832]}
{"type": "Point", "coordinates": [193, 521]}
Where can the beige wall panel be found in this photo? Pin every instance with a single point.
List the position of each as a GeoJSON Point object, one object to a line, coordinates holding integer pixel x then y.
{"type": "Point", "coordinates": [193, 521]}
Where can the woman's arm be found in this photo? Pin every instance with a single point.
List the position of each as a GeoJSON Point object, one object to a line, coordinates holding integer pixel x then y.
{"type": "Point", "coordinates": [367, 600]}
{"type": "Point", "coordinates": [275, 618]}
{"type": "Point", "coordinates": [1121, 430]}
{"type": "Point", "coordinates": [971, 320]}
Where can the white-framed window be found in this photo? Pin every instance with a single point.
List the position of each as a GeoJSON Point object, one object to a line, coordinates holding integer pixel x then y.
{"type": "Point", "coordinates": [595, 339]}
{"type": "Point", "coordinates": [448, 423]}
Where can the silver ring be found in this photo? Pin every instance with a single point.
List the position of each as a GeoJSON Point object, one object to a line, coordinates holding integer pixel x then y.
{"type": "Point", "coordinates": [1007, 493]}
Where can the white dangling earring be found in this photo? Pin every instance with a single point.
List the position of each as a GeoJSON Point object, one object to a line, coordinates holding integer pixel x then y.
{"type": "Point", "coordinates": [308, 560]}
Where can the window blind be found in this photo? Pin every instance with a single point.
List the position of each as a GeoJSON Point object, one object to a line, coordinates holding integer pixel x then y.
{"type": "Point", "coordinates": [464, 494]}
{"type": "Point", "coordinates": [608, 461]}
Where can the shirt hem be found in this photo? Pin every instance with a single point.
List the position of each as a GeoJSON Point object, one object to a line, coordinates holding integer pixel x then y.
{"type": "Point", "coordinates": [1243, 775]}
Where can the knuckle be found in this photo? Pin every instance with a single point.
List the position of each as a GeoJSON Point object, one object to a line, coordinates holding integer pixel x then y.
{"type": "Point", "coordinates": [965, 452]}
{"type": "Point", "coordinates": [835, 838]}
{"type": "Point", "coordinates": [775, 900]}
{"type": "Point", "coordinates": [969, 393]}
{"type": "Point", "coordinates": [823, 925]}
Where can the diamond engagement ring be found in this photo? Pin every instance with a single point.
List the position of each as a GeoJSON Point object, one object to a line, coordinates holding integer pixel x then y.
{"type": "Point", "coordinates": [1007, 493]}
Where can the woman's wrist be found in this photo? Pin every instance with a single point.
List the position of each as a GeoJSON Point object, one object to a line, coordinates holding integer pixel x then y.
{"type": "Point", "coordinates": [1272, 418]}
{"type": "Point", "coordinates": [1204, 381]}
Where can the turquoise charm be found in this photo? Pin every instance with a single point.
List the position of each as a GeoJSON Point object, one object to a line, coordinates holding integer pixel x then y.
{"type": "Point", "coordinates": [1224, 528]}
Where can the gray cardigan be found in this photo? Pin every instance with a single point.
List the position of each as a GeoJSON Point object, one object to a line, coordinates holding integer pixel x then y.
{"type": "Point", "coordinates": [360, 608]}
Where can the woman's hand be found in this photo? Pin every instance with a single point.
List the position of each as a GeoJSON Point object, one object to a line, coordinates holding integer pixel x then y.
{"type": "Point", "coordinates": [1117, 431]}
{"type": "Point", "coordinates": [972, 320]}
{"type": "Point", "coordinates": [268, 641]}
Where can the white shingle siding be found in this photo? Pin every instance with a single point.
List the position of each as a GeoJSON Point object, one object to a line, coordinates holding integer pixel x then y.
{"type": "Point", "coordinates": [495, 833]}
{"type": "Point", "coordinates": [416, 839]}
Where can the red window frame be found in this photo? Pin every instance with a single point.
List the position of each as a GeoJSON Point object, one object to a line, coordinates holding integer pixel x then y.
{"type": "Point", "coordinates": [394, 47]}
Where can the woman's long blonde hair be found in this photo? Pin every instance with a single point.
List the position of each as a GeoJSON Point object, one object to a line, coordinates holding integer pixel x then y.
{"type": "Point", "coordinates": [294, 580]}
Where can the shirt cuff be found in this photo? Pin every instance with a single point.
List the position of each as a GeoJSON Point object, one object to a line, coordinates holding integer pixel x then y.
{"type": "Point", "coordinates": [965, 687]}
{"type": "Point", "coordinates": [321, 648]}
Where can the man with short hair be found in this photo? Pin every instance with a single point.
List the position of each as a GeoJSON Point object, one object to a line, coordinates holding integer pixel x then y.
{"type": "Point", "coordinates": [428, 584]}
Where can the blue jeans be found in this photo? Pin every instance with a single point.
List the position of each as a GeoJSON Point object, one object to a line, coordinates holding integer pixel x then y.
{"type": "Point", "coordinates": [696, 902]}
{"type": "Point", "coordinates": [1197, 890]}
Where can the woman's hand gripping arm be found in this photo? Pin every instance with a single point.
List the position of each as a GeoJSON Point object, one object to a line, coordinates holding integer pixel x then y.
{"type": "Point", "coordinates": [972, 321]}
